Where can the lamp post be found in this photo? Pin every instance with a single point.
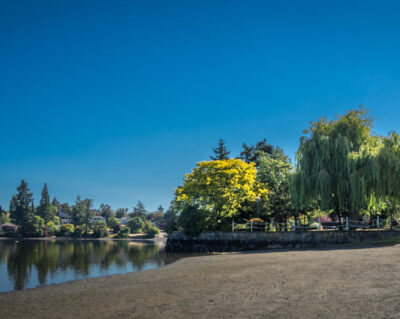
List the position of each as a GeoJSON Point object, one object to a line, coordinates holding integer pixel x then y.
{"type": "Point", "coordinates": [258, 206]}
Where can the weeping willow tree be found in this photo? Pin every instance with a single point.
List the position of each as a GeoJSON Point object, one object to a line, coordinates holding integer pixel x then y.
{"type": "Point", "coordinates": [334, 163]}
{"type": "Point", "coordinates": [388, 159]}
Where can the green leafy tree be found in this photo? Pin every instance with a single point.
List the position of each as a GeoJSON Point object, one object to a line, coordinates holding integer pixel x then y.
{"type": "Point", "coordinates": [113, 223]}
{"type": "Point", "coordinates": [67, 230]}
{"type": "Point", "coordinates": [220, 188]}
{"type": "Point", "coordinates": [34, 226]}
{"type": "Point", "coordinates": [136, 225]}
{"type": "Point", "coordinates": [45, 209]}
{"type": "Point", "coordinates": [121, 212]}
{"type": "Point", "coordinates": [99, 229]}
{"type": "Point", "coordinates": [252, 153]}
{"type": "Point", "coordinates": [77, 216]}
{"type": "Point", "coordinates": [106, 211]}
{"type": "Point", "coordinates": [87, 213]}
{"type": "Point", "coordinates": [170, 220]}
{"type": "Point", "coordinates": [323, 162]}
{"type": "Point", "coordinates": [221, 153]}
{"type": "Point", "coordinates": [123, 233]}
{"type": "Point", "coordinates": [51, 228]}
{"type": "Point", "coordinates": [274, 171]}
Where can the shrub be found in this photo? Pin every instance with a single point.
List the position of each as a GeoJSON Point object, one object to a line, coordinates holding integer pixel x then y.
{"type": "Point", "coordinates": [113, 223]}
{"type": "Point", "coordinates": [136, 225]}
{"type": "Point", "coordinates": [34, 226]}
{"type": "Point", "coordinates": [124, 233]}
{"type": "Point", "coordinates": [56, 220]}
{"type": "Point", "coordinates": [99, 229]}
{"type": "Point", "coordinates": [152, 231]}
{"type": "Point", "coordinates": [51, 228]}
{"type": "Point", "coordinates": [192, 220]}
{"type": "Point", "coordinates": [67, 230]}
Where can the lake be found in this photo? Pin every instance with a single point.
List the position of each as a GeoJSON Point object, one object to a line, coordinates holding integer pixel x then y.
{"type": "Point", "coordinates": [33, 263]}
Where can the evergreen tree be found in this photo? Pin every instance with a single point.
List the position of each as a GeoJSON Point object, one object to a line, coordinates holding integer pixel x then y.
{"type": "Point", "coordinates": [106, 211]}
{"type": "Point", "coordinates": [44, 209]}
{"type": "Point", "coordinates": [139, 211]}
{"type": "Point", "coordinates": [20, 206]}
{"type": "Point", "coordinates": [55, 202]}
{"type": "Point", "coordinates": [252, 153]}
{"type": "Point", "coordinates": [161, 209]}
{"type": "Point", "coordinates": [221, 153]}
{"type": "Point", "coordinates": [77, 215]}
{"type": "Point", "coordinates": [121, 212]}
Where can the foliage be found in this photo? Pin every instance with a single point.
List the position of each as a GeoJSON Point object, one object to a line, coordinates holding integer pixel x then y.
{"type": "Point", "coordinates": [221, 153]}
{"type": "Point", "coordinates": [252, 153]}
{"type": "Point", "coordinates": [113, 223]}
{"type": "Point", "coordinates": [139, 211]}
{"type": "Point", "coordinates": [44, 209]}
{"type": "Point", "coordinates": [323, 162]}
{"type": "Point", "coordinates": [106, 211]}
{"type": "Point", "coordinates": [136, 225]}
{"type": "Point", "coordinates": [121, 212]}
{"type": "Point", "coordinates": [21, 205]}
{"type": "Point", "coordinates": [275, 172]}
{"type": "Point", "coordinates": [4, 218]}
{"type": "Point", "coordinates": [219, 188]}
{"type": "Point", "coordinates": [170, 220]}
{"type": "Point", "coordinates": [67, 230]}
{"type": "Point", "coordinates": [34, 226]}
{"type": "Point", "coordinates": [51, 228]}
{"type": "Point", "coordinates": [123, 233]}
{"type": "Point", "coordinates": [193, 220]}
{"type": "Point", "coordinates": [99, 229]}
{"type": "Point", "coordinates": [150, 230]}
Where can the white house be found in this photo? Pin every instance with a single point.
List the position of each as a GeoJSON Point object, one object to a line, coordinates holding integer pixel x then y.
{"type": "Point", "coordinates": [124, 220]}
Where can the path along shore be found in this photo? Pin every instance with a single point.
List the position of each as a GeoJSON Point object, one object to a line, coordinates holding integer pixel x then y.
{"type": "Point", "coordinates": [332, 283]}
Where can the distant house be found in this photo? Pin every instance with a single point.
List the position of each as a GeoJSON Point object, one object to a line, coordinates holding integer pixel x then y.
{"type": "Point", "coordinates": [65, 221]}
{"type": "Point", "coordinates": [124, 220]}
{"type": "Point", "coordinates": [9, 227]}
{"type": "Point", "coordinates": [62, 215]}
{"type": "Point", "coordinates": [96, 219]}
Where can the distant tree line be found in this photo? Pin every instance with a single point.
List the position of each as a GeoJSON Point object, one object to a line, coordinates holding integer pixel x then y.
{"type": "Point", "coordinates": [52, 218]}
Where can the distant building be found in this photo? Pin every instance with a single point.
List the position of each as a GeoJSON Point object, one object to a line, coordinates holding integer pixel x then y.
{"type": "Point", "coordinates": [96, 219]}
{"type": "Point", "coordinates": [9, 227]}
{"type": "Point", "coordinates": [124, 220]}
{"type": "Point", "coordinates": [65, 221]}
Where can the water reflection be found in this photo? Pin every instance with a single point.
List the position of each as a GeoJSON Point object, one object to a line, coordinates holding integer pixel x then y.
{"type": "Point", "coordinates": [29, 263]}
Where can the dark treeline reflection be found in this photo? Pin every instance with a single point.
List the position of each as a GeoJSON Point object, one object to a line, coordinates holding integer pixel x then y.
{"type": "Point", "coordinates": [82, 258]}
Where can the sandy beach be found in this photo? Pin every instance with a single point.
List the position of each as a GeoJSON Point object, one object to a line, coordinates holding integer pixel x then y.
{"type": "Point", "coordinates": [335, 283]}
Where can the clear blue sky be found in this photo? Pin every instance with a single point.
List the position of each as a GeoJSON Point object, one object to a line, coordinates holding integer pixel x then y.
{"type": "Point", "coordinates": [117, 100]}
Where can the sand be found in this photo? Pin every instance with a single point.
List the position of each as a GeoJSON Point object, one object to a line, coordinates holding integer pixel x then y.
{"type": "Point", "coordinates": [336, 283]}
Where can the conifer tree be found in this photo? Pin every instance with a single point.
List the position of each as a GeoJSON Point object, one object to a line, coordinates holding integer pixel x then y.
{"type": "Point", "coordinates": [20, 206]}
{"type": "Point", "coordinates": [221, 153]}
{"type": "Point", "coordinates": [44, 209]}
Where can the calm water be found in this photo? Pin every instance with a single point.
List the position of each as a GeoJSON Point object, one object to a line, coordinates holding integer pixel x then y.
{"type": "Point", "coordinates": [31, 263]}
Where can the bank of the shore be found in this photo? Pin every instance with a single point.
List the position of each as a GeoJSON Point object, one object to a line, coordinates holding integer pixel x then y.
{"type": "Point", "coordinates": [161, 238]}
{"type": "Point", "coordinates": [334, 283]}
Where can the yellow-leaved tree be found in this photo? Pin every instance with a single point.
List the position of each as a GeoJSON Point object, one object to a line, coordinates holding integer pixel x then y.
{"type": "Point", "coordinates": [217, 189]}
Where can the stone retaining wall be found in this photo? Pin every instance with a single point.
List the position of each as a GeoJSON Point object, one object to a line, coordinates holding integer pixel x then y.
{"type": "Point", "coordinates": [238, 241]}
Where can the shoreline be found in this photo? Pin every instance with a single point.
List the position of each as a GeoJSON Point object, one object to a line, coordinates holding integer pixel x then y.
{"type": "Point", "coordinates": [351, 282]}
{"type": "Point", "coordinates": [139, 238]}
